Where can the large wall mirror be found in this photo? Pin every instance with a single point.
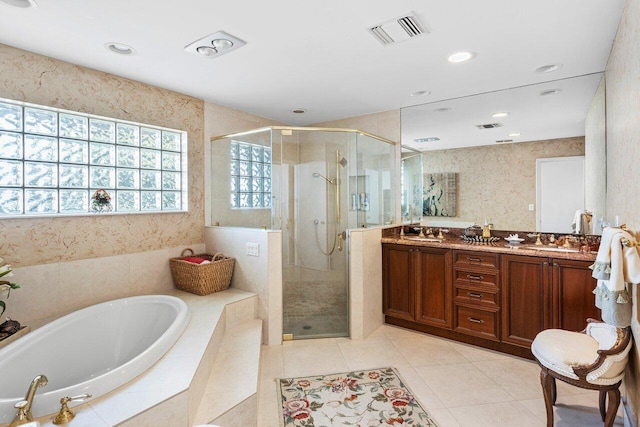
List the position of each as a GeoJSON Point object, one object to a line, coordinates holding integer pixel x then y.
{"type": "Point", "coordinates": [493, 143]}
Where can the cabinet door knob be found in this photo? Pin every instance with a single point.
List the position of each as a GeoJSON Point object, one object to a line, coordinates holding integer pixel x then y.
{"type": "Point", "coordinates": [555, 264]}
{"type": "Point", "coordinates": [470, 258]}
{"type": "Point", "coordinates": [472, 277]}
{"type": "Point", "coordinates": [474, 295]}
{"type": "Point", "coordinates": [474, 320]}
{"type": "Point", "coordinates": [545, 263]}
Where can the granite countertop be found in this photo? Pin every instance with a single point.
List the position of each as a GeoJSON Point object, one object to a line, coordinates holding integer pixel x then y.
{"type": "Point", "coordinates": [530, 249]}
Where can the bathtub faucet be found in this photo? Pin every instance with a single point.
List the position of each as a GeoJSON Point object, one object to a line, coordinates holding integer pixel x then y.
{"type": "Point", "coordinates": [24, 406]}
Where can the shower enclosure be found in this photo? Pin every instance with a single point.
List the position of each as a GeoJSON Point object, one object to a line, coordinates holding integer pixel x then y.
{"type": "Point", "coordinates": [411, 185]}
{"type": "Point", "coordinates": [314, 184]}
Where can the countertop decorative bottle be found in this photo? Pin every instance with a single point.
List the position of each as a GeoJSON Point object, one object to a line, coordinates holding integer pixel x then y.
{"type": "Point", "coordinates": [486, 232]}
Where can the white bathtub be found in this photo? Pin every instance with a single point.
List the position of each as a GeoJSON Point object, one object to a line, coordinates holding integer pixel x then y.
{"type": "Point", "coordinates": [93, 350]}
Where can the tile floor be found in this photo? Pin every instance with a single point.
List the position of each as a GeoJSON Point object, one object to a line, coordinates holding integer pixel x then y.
{"type": "Point", "coordinates": [459, 384]}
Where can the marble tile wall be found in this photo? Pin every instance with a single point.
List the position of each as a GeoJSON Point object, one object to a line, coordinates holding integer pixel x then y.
{"type": "Point", "coordinates": [49, 291]}
{"type": "Point", "coordinates": [261, 275]}
{"type": "Point", "coordinates": [623, 152]}
{"type": "Point", "coordinates": [365, 282]}
{"type": "Point", "coordinates": [38, 79]}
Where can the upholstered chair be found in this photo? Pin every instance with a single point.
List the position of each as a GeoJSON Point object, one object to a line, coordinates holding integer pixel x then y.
{"type": "Point", "coordinates": [593, 359]}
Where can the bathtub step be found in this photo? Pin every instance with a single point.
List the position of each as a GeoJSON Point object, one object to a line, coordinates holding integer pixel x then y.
{"type": "Point", "coordinates": [232, 387]}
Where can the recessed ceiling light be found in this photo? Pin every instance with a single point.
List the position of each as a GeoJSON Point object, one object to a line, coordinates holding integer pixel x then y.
{"type": "Point", "coordinates": [120, 48]}
{"type": "Point", "coordinates": [299, 111]}
{"type": "Point", "coordinates": [442, 110]}
{"type": "Point", "coordinates": [420, 93]}
{"type": "Point", "coordinates": [429, 139]}
{"type": "Point", "coordinates": [548, 68]}
{"type": "Point", "coordinates": [503, 114]}
{"type": "Point", "coordinates": [514, 134]}
{"type": "Point", "coordinates": [460, 56]}
{"type": "Point", "coordinates": [550, 92]}
{"type": "Point", "coordinates": [20, 3]}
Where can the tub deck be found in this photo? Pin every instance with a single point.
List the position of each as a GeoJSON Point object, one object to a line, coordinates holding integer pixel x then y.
{"type": "Point", "coordinates": [171, 391]}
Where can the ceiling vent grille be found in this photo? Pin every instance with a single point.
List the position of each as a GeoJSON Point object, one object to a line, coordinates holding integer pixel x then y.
{"type": "Point", "coordinates": [489, 126]}
{"type": "Point", "coordinates": [397, 30]}
{"type": "Point", "coordinates": [502, 141]}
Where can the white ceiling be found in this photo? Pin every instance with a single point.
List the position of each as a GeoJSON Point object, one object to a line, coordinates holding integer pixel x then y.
{"type": "Point", "coordinates": [319, 55]}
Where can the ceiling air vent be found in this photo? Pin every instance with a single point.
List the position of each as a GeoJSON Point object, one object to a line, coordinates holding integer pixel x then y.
{"type": "Point", "coordinates": [501, 141]}
{"type": "Point", "coordinates": [489, 126]}
{"type": "Point", "coordinates": [397, 30]}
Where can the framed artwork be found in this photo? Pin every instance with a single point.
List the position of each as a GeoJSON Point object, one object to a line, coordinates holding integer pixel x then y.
{"type": "Point", "coordinates": [439, 194]}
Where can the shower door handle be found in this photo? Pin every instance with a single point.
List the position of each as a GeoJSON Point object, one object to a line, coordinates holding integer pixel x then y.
{"type": "Point", "coordinates": [341, 238]}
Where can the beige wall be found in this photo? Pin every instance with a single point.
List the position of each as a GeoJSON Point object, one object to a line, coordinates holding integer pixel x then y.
{"type": "Point", "coordinates": [623, 158]}
{"type": "Point", "coordinates": [41, 80]}
{"type": "Point", "coordinates": [385, 124]}
{"type": "Point", "coordinates": [498, 182]}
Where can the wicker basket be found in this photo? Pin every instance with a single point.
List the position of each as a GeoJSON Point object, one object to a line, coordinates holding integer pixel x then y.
{"type": "Point", "coordinates": [202, 279]}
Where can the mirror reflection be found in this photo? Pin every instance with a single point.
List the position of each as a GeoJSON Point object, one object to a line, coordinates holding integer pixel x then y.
{"type": "Point", "coordinates": [525, 158]}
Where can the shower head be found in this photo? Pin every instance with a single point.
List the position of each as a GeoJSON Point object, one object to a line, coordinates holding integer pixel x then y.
{"type": "Point", "coordinates": [330, 181]}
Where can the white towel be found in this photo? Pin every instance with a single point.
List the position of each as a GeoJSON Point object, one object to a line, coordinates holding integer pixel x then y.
{"type": "Point", "coordinates": [615, 266]}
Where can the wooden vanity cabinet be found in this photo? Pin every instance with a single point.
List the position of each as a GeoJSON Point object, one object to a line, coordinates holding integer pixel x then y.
{"type": "Point", "coordinates": [573, 298]}
{"type": "Point", "coordinates": [477, 288]}
{"type": "Point", "coordinates": [495, 300]}
{"type": "Point", "coordinates": [398, 281]}
{"type": "Point", "coordinates": [417, 284]}
{"type": "Point", "coordinates": [526, 298]}
{"type": "Point", "coordinates": [540, 293]}
{"type": "Point", "coordinates": [433, 287]}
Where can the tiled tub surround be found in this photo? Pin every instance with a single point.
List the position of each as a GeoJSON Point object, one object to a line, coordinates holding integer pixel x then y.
{"type": "Point", "coordinates": [49, 291]}
{"type": "Point", "coordinates": [170, 392]}
{"type": "Point", "coordinates": [88, 352]}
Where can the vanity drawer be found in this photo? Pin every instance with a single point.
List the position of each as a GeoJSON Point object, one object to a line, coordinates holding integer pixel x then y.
{"type": "Point", "coordinates": [483, 259]}
{"type": "Point", "coordinates": [477, 297]}
{"type": "Point", "coordinates": [474, 278]}
{"type": "Point", "coordinates": [476, 321]}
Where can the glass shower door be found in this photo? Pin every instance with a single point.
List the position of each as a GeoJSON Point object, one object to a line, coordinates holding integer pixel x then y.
{"type": "Point", "coordinates": [314, 224]}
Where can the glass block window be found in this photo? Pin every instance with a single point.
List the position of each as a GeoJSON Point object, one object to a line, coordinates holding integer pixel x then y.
{"type": "Point", "coordinates": [250, 176]}
{"type": "Point", "coordinates": [52, 161]}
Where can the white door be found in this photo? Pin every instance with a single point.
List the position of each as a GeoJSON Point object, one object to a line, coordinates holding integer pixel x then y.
{"type": "Point", "coordinates": [559, 192]}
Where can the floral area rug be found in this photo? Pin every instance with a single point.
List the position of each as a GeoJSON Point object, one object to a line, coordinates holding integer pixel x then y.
{"type": "Point", "coordinates": [375, 397]}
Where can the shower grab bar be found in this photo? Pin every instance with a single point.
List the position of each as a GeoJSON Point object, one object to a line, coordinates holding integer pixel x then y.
{"type": "Point", "coordinates": [337, 192]}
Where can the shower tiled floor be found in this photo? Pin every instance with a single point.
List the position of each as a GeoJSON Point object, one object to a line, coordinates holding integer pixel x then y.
{"type": "Point", "coordinates": [316, 325]}
{"type": "Point", "coordinates": [459, 384]}
{"type": "Point", "coordinates": [315, 309]}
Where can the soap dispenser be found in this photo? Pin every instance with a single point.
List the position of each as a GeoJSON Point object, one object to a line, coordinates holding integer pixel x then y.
{"type": "Point", "coordinates": [486, 232]}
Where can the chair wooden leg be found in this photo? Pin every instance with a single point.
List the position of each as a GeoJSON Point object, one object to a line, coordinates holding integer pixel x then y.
{"type": "Point", "coordinates": [554, 390]}
{"type": "Point", "coordinates": [548, 385]}
{"type": "Point", "coordinates": [603, 404]}
{"type": "Point", "coordinates": [614, 402]}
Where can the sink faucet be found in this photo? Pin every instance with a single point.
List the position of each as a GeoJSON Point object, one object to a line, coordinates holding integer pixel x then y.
{"type": "Point", "coordinates": [24, 407]}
